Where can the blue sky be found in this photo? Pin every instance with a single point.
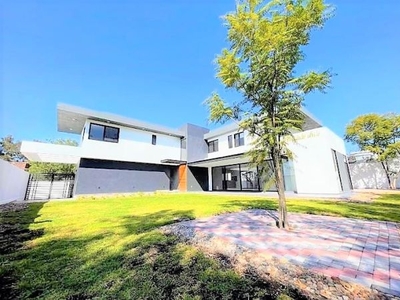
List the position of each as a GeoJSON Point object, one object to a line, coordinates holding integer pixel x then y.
{"type": "Point", "coordinates": [153, 60]}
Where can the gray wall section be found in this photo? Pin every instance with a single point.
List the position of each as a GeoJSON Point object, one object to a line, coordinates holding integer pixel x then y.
{"type": "Point", "coordinates": [196, 146]}
{"type": "Point", "coordinates": [197, 179]}
{"type": "Point", "coordinates": [102, 177]}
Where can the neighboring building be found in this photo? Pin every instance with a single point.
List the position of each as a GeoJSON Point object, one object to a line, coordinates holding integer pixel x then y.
{"type": "Point", "coordinates": [367, 173]}
{"type": "Point", "coordinates": [122, 155]}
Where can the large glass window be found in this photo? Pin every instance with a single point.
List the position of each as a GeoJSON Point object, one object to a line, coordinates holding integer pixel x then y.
{"type": "Point", "coordinates": [239, 139]}
{"type": "Point", "coordinates": [230, 144]}
{"type": "Point", "coordinates": [103, 133]}
{"type": "Point", "coordinates": [243, 177]}
{"type": "Point", "coordinates": [218, 179]}
{"type": "Point", "coordinates": [249, 178]}
{"type": "Point", "coordinates": [232, 178]}
{"type": "Point", "coordinates": [96, 132]}
{"type": "Point", "coordinates": [213, 146]}
{"type": "Point", "coordinates": [267, 177]}
{"type": "Point", "coordinates": [111, 134]}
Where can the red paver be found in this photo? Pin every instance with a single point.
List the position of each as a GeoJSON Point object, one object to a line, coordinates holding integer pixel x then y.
{"type": "Point", "coordinates": [364, 252]}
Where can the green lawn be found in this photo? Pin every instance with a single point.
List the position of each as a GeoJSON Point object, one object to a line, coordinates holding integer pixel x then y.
{"type": "Point", "coordinates": [110, 248]}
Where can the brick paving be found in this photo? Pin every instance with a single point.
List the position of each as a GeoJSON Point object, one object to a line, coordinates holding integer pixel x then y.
{"type": "Point", "coordinates": [363, 252]}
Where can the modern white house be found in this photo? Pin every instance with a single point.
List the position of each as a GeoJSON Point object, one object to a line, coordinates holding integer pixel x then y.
{"type": "Point", "coordinates": [122, 155]}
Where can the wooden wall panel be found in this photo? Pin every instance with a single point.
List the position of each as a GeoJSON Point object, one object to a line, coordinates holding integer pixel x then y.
{"type": "Point", "coordinates": [182, 172]}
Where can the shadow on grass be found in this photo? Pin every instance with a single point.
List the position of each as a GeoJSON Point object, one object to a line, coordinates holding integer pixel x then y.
{"type": "Point", "coordinates": [138, 224]}
{"type": "Point", "coordinates": [385, 208]}
{"type": "Point", "coordinates": [15, 219]}
{"type": "Point", "coordinates": [150, 266]}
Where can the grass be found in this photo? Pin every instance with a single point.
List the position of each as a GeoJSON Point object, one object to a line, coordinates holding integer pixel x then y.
{"type": "Point", "coordinates": [110, 248]}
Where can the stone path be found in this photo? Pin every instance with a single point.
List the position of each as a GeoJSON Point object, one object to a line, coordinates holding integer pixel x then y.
{"type": "Point", "coordinates": [363, 252]}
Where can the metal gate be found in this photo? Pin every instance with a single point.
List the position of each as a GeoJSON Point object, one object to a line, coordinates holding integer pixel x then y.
{"type": "Point", "coordinates": [49, 186]}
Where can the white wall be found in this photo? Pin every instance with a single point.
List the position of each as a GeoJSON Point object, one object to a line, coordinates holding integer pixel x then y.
{"type": "Point", "coordinates": [223, 146]}
{"type": "Point", "coordinates": [133, 145]}
{"type": "Point", "coordinates": [369, 175]}
{"type": "Point", "coordinates": [313, 162]}
{"type": "Point", "coordinates": [13, 182]}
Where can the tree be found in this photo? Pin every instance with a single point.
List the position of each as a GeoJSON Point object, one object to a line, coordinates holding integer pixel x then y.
{"type": "Point", "coordinates": [265, 46]}
{"type": "Point", "coordinates": [380, 135]}
{"type": "Point", "coordinates": [54, 168]}
{"type": "Point", "coordinates": [10, 149]}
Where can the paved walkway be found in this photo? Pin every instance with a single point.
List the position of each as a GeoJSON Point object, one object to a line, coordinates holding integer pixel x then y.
{"type": "Point", "coordinates": [364, 252]}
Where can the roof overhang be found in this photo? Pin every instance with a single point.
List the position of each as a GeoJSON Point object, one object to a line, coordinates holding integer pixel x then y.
{"type": "Point", "coordinates": [173, 161]}
{"type": "Point", "coordinates": [310, 122]}
{"type": "Point", "coordinates": [71, 119]}
{"type": "Point", "coordinates": [221, 161]}
{"type": "Point", "coordinates": [44, 152]}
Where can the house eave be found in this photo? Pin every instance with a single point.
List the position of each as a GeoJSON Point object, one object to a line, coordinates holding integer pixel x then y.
{"type": "Point", "coordinates": [72, 119]}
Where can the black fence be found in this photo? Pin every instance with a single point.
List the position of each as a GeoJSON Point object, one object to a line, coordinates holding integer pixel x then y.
{"type": "Point", "coordinates": [50, 186]}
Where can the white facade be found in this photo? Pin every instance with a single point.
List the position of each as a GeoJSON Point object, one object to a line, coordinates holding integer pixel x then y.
{"type": "Point", "coordinates": [13, 182]}
{"type": "Point", "coordinates": [314, 167]}
{"type": "Point", "coordinates": [223, 145]}
{"type": "Point", "coordinates": [134, 142]}
{"type": "Point", "coordinates": [133, 145]}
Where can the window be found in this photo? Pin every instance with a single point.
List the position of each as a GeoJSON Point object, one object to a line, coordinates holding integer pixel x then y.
{"type": "Point", "coordinates": [230, 144]}
{"type": "Point", "coordinates": [103, 133]}
{"type": "Point", "coordinates": [153, 139]}
{"type": "Point", "coordinates": [111, 134]}
{"type": "Point", "coordinates": [213, 146]}
{"type": "Point", "coordinates": [239, 139]}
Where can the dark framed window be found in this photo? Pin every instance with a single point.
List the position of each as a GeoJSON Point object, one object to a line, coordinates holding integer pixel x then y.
{"type": "Point", "coordinates": [239, 139]}
{"type": "Point", "coordinates": [153, 139]}
{"type": "Point", "coordinates": [213, 146]}
{"type": "Point", "coordinates": [103, 133]}
{"type": "Point", "coordinates": [230, 144]}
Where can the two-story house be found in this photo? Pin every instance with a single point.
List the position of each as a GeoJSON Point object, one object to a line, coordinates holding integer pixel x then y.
{"type": "Point", "coordinates": [122, 155]}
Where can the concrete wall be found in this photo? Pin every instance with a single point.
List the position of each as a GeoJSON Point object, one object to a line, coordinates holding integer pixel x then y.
{"type": "Point", "coordinates": [196, 146]}
{"type": "Point", "coordinates": [13, 182]}
{"type": "Point", "coordinates": [369, 175]}
{"type": "Point", "coordinates": [197, 179]}
{"type": "Point", "coordinates": [102, 177]}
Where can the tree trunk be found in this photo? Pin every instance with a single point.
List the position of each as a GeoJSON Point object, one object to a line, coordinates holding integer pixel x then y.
{"type": "Point", "coordinates": [282, 210]}
{"type": "Point", "coordinates": [386, 169]}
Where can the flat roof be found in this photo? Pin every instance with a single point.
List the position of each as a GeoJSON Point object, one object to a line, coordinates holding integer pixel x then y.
{"type": "Point", "coordinates": [71, 119]}
{"type": "Point", "coordinates": [310, 123]}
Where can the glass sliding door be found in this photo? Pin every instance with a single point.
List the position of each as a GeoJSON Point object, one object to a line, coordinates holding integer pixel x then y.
{"type": "Point", "coordinates": [232, 178]}
{"type": "Point", "coordinates": [218, 179]}
{"type": "Point", "coordinates": [243, 177]}
{"type": "Point", "coordinates": [249, 178]}
{"type": "Point", "coordinates": [267, 177]}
